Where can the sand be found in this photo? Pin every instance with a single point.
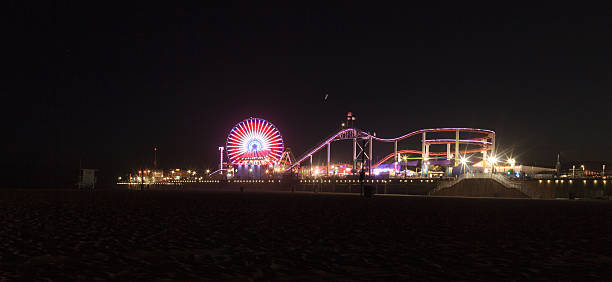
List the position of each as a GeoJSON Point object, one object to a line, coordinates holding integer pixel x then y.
{"type": "Point", "coordinates": [129, 235]}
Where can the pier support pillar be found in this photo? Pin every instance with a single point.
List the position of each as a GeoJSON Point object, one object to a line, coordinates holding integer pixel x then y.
{"type": "Point", "coordinates": [457, 147]}
{"type": "Point", "coordinates": [328, 153]}
{"type": "Point", "coordinates": [423, 139]}
{"type": "Point", "coordinates": [493, 145]}
{"type": "Point", "coordinates": [354, 154]}
{"type": "Point", "coordinates": [448, 157]}
{"type": "Point", "coordinates": [484, 159]}
{"type": "Point", "coordinates": [310, 165]}
{"type": "Point", "coordinates": [396, 157]}
{"type": "Point", "coordinates": [370, 157]}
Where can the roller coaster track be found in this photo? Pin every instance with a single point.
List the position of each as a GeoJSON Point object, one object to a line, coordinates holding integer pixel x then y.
{"type": "Point", "coordinates": [353, 133]}
{"type": "Point", "coordinates": [343, 134]}
{"type": "Point", "coordinates": [437, 155]}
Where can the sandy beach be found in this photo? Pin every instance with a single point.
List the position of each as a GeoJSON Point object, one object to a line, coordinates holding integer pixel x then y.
{"type": "Point", "coordinates": [129, 235]}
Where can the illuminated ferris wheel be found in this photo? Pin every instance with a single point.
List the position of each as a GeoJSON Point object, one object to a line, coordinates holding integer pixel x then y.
{"type": "Point", "coordinates": [254, 141]}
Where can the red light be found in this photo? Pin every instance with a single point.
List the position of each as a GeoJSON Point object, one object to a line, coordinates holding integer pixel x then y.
{"type": "Point", "coordinates": [139, 172]}
{"type": "Point", "coordinates": [155, 149]}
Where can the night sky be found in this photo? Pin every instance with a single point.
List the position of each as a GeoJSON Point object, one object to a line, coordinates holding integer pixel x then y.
{"type": "Point", "coordinates": [105, 84]}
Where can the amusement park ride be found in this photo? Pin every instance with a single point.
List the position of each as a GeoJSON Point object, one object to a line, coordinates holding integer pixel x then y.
{"type": "Point", "coordinates": [255, 145]}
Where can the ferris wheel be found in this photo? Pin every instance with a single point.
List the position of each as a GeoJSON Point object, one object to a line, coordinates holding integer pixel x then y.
{"type": "Point", "coordinates": [254, 141]}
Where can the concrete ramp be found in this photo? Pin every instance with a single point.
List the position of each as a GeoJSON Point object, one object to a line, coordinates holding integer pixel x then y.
{"type": "Point", "coordinates": [480, 187]}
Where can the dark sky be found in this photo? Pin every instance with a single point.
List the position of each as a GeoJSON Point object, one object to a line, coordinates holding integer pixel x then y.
{"type": "Point", "coordinates": [105, 84]}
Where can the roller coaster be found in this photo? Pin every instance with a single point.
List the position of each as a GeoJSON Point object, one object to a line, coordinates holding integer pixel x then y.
{"type": "Point", "coordinates": [363, 146]}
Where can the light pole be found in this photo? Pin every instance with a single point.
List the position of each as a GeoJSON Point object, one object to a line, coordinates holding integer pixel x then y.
{"type": "Point", "coordinates": [463, 161]}
{"type": "Point", "coordinates": [492, 160]}
{"type": "Point", "coordinates": [406, 163]}
{"type": "Point", "coordinates": [221, 159]}
{"type": "Point", "coordinates": [573, 171]}
{"type": "Point", "coordinates": [603, 171]}
{"type": "Point", "coordinates": [512, 162]}
{"type": "Point", "coordinates": [155, 157]}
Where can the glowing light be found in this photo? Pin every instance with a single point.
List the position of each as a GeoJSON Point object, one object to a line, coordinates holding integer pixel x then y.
{"type": "Point", "coordinates": [254, 141]}
{"type": "Point", "coordinates": [464, 160]}
{"type": "Point", "coordinates": [492, 159]}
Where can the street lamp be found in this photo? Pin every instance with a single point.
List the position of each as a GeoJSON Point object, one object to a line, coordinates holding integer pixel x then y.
{"type": "Point", "coordinates": [512, 162]}
{"type": "Point", "coordinates": [463, 161]}
{"type": "Point", "coordinates": [492, 160]}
